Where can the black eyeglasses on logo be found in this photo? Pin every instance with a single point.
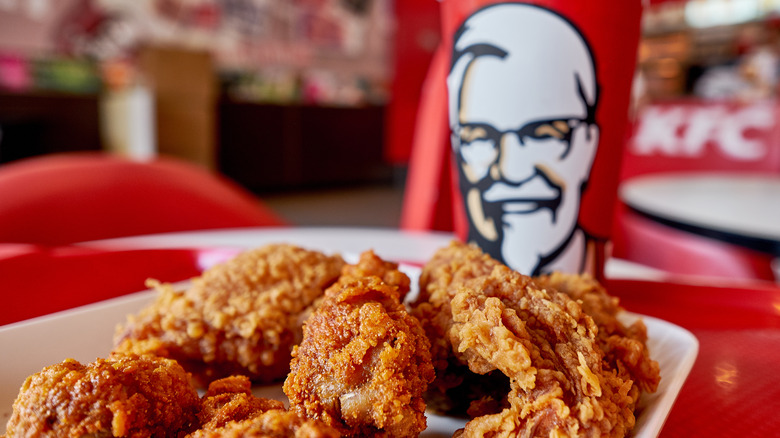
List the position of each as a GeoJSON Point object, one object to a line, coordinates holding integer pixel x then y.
{"type": "Point", "coordinates": [560, 129]}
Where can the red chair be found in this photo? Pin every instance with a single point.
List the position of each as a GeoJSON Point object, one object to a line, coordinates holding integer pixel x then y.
{"type": "Point", "coordinates": [650, 243]}
{"type": "Point", "coordinates": [66, 198]}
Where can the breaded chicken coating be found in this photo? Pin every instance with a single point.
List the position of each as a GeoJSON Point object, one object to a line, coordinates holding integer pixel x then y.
{"type": "Point", "coordinates": [239, 317]}
{"type": "Point", "coordinates": [364, 362]}
{"type": "Point", "coordinates": [546, 345]}
{"type": "Point", "coordinates": [231, 399]}
{"type": "Point", "coordinates": [230, 410]}
{"type": "Point", "coordinates": [456, 390]}
{"type": "Point", "coordinates": [274, 423]}
{"type": "Point", "coordinates": [122, 396]}
{"type": "Point", "coordinates": [625, 348]}
{"type": "Point", "coordinates": [494, 319]}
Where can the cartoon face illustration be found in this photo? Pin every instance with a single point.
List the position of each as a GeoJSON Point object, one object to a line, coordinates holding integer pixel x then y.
{"type": "Point", "coordinates": [522, 97]}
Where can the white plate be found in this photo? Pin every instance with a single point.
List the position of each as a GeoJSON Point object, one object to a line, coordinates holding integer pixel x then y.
{"type": "Point", "coordinates": [85, 334]}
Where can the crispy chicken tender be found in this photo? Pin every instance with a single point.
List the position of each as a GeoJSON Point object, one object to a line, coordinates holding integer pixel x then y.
{"type": "Point", "coordinates": [231, 399]}
{"type": "Point", "coordinates": [364, 362]}
{"type": "Point", "coordinates": [456, 390]}
{"type": "Point", "coordinates": [493, 318]}
{"type": "Point", "coordinates": [546, 345]}
{"type": "Point", "coordinates": [625, 348]}
{"type": "Point", "coordinates": [240, 317]}
{"type": "Point", "coordinates": [275, 423]}
{"type": "Point", "coordinates": [230, 410]}
{"type": "Point", "coordinates": [122, 396]}
{"type": "Point", "coordinates": [372, 265]}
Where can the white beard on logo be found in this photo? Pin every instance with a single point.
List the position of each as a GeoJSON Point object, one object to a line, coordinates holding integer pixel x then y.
{"type": "Point", "coordinates": [521, 233]}
{"type": "Point", "coordinates": [536, 231]}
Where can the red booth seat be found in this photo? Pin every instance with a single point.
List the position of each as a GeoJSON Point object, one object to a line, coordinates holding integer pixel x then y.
{"type": "Point", "coordinates": [66, 198]}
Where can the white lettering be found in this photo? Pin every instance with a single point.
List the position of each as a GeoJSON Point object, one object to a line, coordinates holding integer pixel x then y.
{"type": "Point", "coordinates": [657, 131]}
{"type": "Point", "coordinates": [702, 125]}
{"type": "Point", "coordinates": [681, 131]}
{"type": "Point", "coordinates": [732, 140]}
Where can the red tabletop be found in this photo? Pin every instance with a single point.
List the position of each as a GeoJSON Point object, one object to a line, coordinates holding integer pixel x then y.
{"type": "Point", "coordinates": [732, 390]}
{"type": "Point", "coordinates": [38, 280]}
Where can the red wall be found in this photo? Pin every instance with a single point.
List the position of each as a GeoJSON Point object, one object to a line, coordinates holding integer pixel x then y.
{"type": "Point", "coordinates": [415, 39]}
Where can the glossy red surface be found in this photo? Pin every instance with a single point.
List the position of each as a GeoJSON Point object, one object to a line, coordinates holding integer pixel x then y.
{"type": "Point", "coordinates": [734, 386]}
{"type": "Point", "coordinates": [38, 280]}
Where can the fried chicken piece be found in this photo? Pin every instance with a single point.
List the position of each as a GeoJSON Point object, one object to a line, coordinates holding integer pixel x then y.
{"type": "Point", "coordinates": [546, 345]}
{"type": "Point", "coordinates": [625, 348]}
{"type": "Point", "coordinates": [124, 395]}
{"type": "Point", "coordinates": [230, 410]}
{"type": "Point", "coordinates": [274, 423]}
{"type": "Point", "coordinates": [231, 399]}
{"type": "Point", "coordinates": [493, 318]}
{"type": "Point", "coordinates": [240, 317]}
{"type": "Point", "coordinates": [456, 390]}
{"type": "Point", "coordinates": [371, 264]}
{"type": "Point", "coordinates": [364, 362]}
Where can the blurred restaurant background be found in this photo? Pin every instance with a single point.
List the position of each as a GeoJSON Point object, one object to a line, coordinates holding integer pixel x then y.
{"type": "Point", "coordinates": [273, 94]}
{"type": "Point", "coordinates": [289, 98]}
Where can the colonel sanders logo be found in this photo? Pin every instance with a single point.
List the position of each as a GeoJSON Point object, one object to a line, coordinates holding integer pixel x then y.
{"type": "Point", "coordinates": [522, 100]}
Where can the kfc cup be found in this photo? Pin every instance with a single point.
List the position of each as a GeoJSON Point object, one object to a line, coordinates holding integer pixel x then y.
{"type": "Point", "coordinates": [538, 98]}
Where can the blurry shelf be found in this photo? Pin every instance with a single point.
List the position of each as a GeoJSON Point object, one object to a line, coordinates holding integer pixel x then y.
{"type": "Point", "coordinates": [45, 122]}
{"type": "Point", "coordinates": [269, 147]}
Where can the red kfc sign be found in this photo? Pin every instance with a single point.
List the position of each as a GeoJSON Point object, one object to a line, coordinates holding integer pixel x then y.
{"type": "Point", "coordinates": [704, 136]}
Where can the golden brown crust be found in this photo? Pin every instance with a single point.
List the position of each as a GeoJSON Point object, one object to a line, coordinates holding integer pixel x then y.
{"type": "Point", "coordinates": [230, 410]}
{"type": "Point", "coordinates": [456, 390]}
{"type": "Point", "coordinates": [274, 423]}
{"type": "Point", "coordinates": [558, 383]}
{"type": "Point", "coordinates": [625, 348]}
{"type": "Point", "coordinates": [490, 318]}
{"type": "Point", "coordinates": [371, 264]}
{"type": "Point", "coordinates": [364, 362]}
{"type": "Point", "coordinates": [240, 317]}
{"type": "Point", "coordinates": [231, 399]}
{"type": "Point", "coordinates": [139, 396]}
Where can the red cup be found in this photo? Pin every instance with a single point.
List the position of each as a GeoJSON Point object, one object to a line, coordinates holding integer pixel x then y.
{"type": "Point", "coordinates": [538, 98]}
